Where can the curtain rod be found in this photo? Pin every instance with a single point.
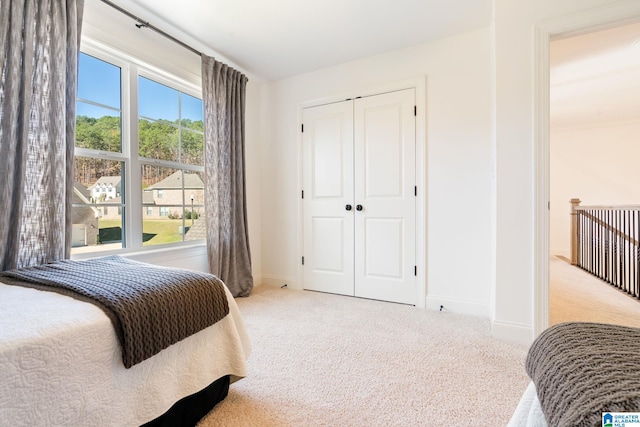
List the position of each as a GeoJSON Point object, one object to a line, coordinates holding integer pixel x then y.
{"type": "Point", "coordinates": [144, 24]}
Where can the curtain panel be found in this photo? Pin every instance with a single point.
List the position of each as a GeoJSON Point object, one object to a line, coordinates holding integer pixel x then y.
{"type": "Point", "coordinates": [39, 43]}
{"type": "Point", "coordinates": [224, 93]}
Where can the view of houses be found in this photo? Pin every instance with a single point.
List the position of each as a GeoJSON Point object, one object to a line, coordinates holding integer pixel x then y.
{"type": "Point", "coordinates": [179, 196]}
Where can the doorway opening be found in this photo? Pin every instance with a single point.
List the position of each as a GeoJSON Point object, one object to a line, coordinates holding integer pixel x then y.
{"type": "Point", "coordinates": [594, 126]}
{"type": "Point", "coordinates": [582, 23]}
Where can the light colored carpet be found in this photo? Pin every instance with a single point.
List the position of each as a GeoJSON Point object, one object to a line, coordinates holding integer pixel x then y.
{"type": "Point", "coordinates": [575, 295]}
{"type": "Point", "coordinates": [328, 360]}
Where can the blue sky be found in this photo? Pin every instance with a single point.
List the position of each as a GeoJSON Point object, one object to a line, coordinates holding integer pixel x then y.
{"type": "Point", "coordinates": [99, 82]}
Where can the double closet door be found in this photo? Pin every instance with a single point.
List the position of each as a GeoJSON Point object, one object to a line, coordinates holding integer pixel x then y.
{"type": "Point", "coordinates": [359, 197]}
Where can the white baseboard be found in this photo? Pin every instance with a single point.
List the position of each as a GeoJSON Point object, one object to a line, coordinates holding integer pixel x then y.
{"type": "Point", "coordinates": [472, 308]}
{"type": "Point", "coordinates": [273, 280]}
{"type": "Point", "coordinates": [522, 334]}
{"type": "Point", "coordinates": [564, 252]}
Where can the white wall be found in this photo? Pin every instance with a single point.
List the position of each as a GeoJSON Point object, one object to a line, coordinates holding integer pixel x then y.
{"type": "Point", "coordinates": [458, 131]}
{"type": "Point", "coordinates": [110, 27]}
{"type": "Point", "coordinates": [480, 89]}
{"type": "Point", "coordinates": [597, 163]}
{"type": "Point", "coordinates": [513, 315]}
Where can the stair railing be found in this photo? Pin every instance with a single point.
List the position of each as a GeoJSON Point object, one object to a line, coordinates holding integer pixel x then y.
{"type": "Point", "coordinates": [604, 242]}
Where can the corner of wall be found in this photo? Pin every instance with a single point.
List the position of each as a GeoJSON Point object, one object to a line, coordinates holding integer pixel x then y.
{"type": "Point", "coordinates": [493, 137]}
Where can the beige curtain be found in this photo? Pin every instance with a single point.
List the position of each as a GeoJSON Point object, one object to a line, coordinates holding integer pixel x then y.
{"type": "Point", "coordinates": [224, 92]}
{"type": "Point", "coordinates": [39, 42]}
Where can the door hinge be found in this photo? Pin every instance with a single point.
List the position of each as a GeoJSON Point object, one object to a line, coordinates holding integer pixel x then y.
{"type": "Point", "coordinates": [302, 127]}
{"type": "Point", "coordinates": [415, 190]}
{"type": "Point", "coordinates": [303, 194]}
{"type": "Point", "coordinates": [415, 110]}
{"type": "Point", "coordinates": [302, 260]}
{"type": "Point", "coordinates": [415, 270]}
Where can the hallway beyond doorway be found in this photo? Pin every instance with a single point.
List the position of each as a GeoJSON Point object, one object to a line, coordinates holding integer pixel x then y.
{"type": "Point", "coordinates": [575, 295]}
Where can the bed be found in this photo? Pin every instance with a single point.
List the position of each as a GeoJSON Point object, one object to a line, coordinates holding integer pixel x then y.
{"type": "Point", "coordinates": [61, 364]}
{"type": "Point", "coordinates": [579, 372]}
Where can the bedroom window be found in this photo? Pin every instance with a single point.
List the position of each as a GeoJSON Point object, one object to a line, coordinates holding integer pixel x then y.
{"type": "Point", "coordinates": [171, 152]}
{"type": "Point", "coordinates": [139, 140]}
{"type": "Point", "coordinates": [99, 161]}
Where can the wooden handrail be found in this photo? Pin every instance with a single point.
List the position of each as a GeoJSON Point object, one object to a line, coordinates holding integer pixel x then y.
{"type": "Point", "coordinates": [607, 207]}
{"type": "Point", "coordinates": [575, 208]}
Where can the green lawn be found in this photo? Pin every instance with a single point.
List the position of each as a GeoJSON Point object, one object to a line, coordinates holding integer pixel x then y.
{"type": "Point", "coordinates": [155, 232]}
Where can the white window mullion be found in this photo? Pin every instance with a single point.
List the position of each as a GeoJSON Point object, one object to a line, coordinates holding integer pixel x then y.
{"type": "Point", "coordinates": [170, 164]}
{"type": "Point", "coordinates": [87, 152]}
{"type": "Point", "coordinates": [134, 181]}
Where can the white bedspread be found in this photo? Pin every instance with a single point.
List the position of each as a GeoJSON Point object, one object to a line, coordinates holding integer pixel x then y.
{"type": "Point", "coordinates": [61, 365]}
{"type": "Point", "coordinates": [529, 412]}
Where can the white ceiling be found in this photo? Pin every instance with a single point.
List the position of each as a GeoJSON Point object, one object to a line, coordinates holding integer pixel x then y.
{"type": "Point", "coordinates": [274, 39]}
{"type": "Point", "coordinates": [595, 77]}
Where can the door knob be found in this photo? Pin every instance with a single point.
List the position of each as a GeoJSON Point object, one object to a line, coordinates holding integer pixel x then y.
{"type": "Point", "coordinates": [358, 207]}
{"type": "Point", "coordinates": [348, 207]}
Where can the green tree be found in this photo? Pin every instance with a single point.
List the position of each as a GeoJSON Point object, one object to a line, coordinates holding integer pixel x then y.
{"type": "Point", "coordinates": [103, 134]}
{"type": "Point", "coordinates": [164, 140]}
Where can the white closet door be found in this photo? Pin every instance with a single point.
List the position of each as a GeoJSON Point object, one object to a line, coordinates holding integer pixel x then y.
{"type": "Point", "coordinates": [328, 189]}
{"type": "Point", "coordinates": [384, 149]}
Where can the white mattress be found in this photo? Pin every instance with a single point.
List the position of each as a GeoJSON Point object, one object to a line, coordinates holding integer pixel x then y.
{"type": "Point", "coordinates": [529, 412]}
{"type": "Point", "coordinates": [61, 365]}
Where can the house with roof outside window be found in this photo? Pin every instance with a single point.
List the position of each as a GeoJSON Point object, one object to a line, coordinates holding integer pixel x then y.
{"type": "Point", "coordinates": [167, 197]}
{"type": "Point", "coordinates": [84, 218]}
{"type": "Point", "coordinates": [106, 188]}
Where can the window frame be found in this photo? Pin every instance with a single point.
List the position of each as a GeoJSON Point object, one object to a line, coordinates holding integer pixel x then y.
{"type": "Point", "coordinates": [131, 192]}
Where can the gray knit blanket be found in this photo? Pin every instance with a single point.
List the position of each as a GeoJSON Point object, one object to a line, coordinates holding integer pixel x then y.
{"type": "Point", "coordinates": [581, 370]}
{"type": "Point", "coordinates": [151, 307]}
